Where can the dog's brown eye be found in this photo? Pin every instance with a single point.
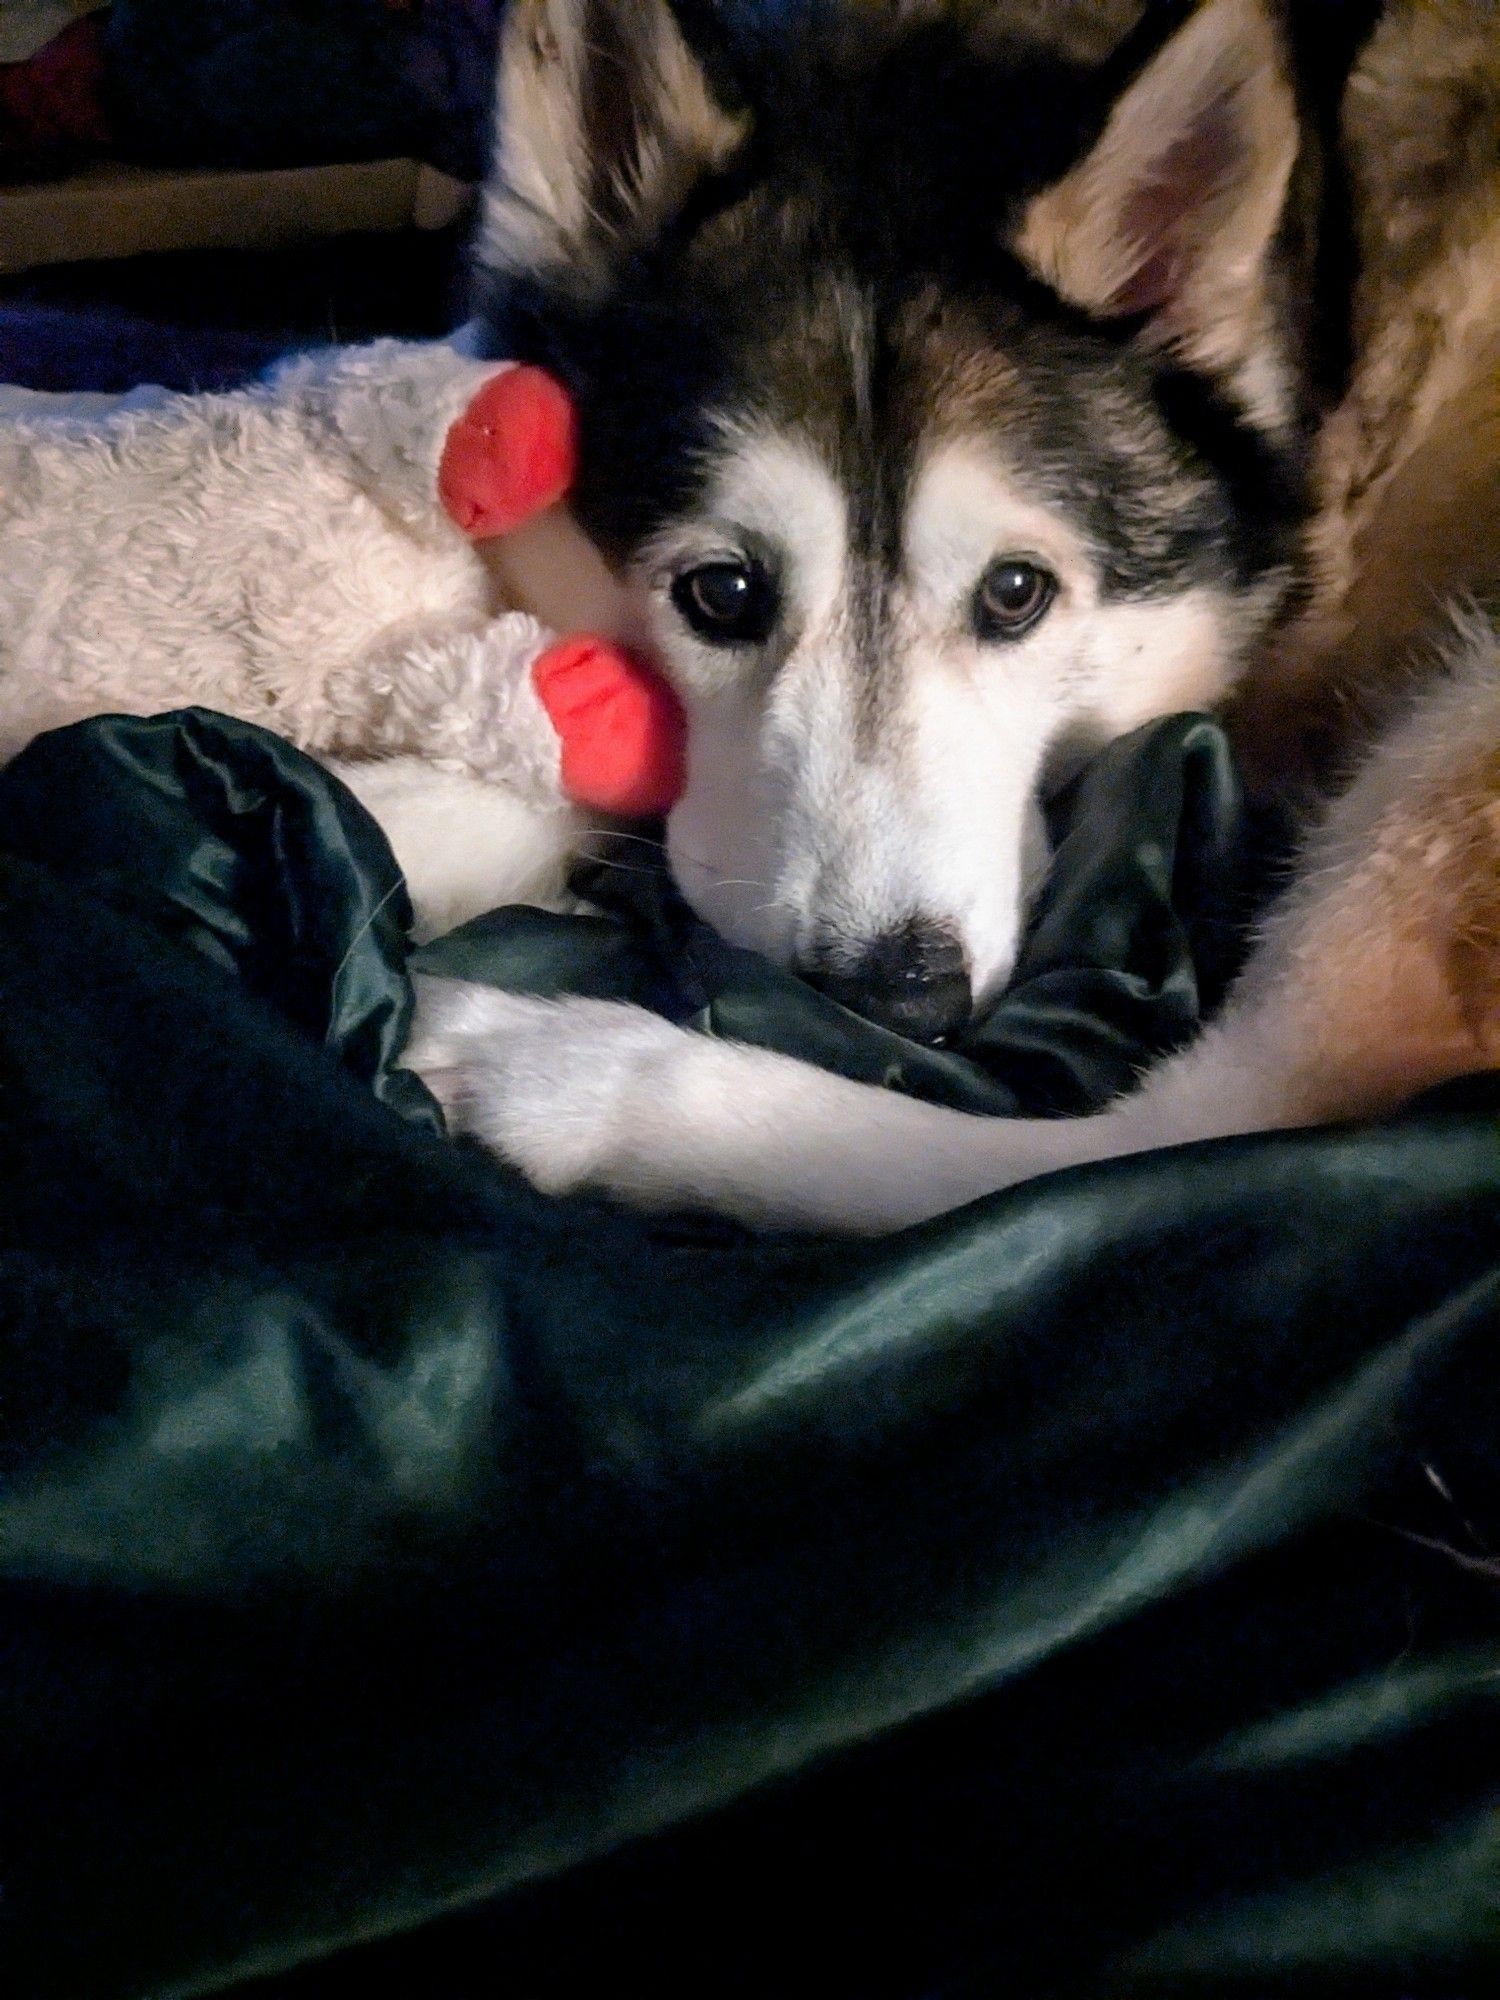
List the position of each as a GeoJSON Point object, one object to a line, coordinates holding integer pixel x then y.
{"type": "Point", "coordinates": [728, 603]}
{"type": "Point", "coordinates": [1012, 597]}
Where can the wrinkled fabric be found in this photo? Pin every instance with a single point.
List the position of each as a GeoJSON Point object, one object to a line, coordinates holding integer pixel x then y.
{"type": "Point", "coordinates": [224, 837]}
{"type": "Point", "coordinates": [1129, 950]}
{"type": "Point", "coordinates": [1089, 1593]}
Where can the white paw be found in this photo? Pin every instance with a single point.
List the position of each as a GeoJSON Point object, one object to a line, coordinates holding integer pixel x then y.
{"type": "Point", "coordinates": [560, 1089]}
{"type": "Point", "coordinates": [587, 1094]}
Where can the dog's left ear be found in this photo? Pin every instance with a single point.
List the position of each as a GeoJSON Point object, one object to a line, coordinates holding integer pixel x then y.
{"type": "Point", "coordinates": [1174, 214]}
{"type": "Point", "coordinates": [607, 120]}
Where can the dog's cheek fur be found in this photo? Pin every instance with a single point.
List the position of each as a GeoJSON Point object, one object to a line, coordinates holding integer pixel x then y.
{"type": "Point", "coordinates": [723, 838]}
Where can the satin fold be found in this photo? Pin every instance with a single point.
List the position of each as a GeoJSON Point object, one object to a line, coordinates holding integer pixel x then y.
{"type": "Point", "coordinates": [410, 1583]}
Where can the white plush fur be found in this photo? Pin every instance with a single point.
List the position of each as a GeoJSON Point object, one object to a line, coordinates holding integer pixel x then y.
{"type": "Point", "coordinates": [464, 845]}
{"type": "Point", "coordinates": [280, 554]}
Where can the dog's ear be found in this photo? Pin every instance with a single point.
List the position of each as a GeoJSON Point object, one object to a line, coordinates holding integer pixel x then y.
{"type": "Point", "coordinates": [606, 122]}
{"type": "Point", "coordinates": [1173, 214]}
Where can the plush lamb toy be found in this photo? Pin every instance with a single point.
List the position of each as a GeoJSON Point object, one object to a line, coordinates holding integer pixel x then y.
{"type": "Point", "coordinates": [356, 553]}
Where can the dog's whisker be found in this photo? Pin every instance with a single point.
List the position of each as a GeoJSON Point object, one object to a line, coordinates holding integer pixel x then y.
{"type": "Point", "coordinates": [616, 867]}
{"type": "Point", "coordinates": [724, 881]}
{"type": "Point", "coordinates": [640, 840]}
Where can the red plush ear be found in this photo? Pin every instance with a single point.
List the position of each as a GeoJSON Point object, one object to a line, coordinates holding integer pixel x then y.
{"type": "Point", "coordinates": [511, 455]}
{"type": "Point", "coordinates": [624, 735]}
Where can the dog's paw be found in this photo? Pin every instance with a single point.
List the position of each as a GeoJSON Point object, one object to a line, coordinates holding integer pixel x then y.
{"type": "Point", "coordinates": [590, 1095]}
{"type": "Point", "coordinates": [565, 1090]}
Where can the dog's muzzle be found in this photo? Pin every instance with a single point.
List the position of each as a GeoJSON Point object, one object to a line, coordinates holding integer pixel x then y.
{"type": "Point", "coordinates": [914, 981]}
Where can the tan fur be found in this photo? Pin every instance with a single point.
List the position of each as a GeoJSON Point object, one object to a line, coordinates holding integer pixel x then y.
{"type": "Point", "coordinates": [1407, 471]}
{"type": "Point", "coordinates": [1398, 981]}
{"type": "Point", "coordinates": [1474, 950]}
{"type": "Point", "coordinates": [1399, 986]}
{"type": "Point", "coordinates": [1422, 130]}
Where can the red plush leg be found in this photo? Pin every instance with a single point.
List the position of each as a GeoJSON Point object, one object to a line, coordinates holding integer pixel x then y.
{"type": "Point", "coordinates": [511, 455]}
{"type": "Point", "coordinates": [623, 733]}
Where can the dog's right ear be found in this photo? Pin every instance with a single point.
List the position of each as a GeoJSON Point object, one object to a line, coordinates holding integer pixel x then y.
{"type": "Point", "coordinates": [607, 121]}
{"type": "Point", "coordinates": [1174, 215]}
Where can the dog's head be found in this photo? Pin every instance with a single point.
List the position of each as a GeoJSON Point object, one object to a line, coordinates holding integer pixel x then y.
{"type": "Point", "coordinates": [940, 410]}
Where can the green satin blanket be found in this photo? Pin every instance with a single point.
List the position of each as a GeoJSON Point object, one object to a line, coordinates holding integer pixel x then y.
{"type": "Point", "coordinates": [411, 1584]}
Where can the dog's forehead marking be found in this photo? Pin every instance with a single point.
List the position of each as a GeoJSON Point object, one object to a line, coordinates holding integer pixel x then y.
{"type": "Point", "coordinates": [779, 487]}
{"type": "Point", "coordinates": [962, 509]}
{"type": "Point", "coordinates": [811, 354]}
{"type": "Point", "coordinates": [966, 511]}
{"type": "Point", "coordinates": [875, 386]}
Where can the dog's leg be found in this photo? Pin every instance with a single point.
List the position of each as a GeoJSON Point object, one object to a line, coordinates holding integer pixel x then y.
{"type": "Point", "coordinates": [1378, 976]}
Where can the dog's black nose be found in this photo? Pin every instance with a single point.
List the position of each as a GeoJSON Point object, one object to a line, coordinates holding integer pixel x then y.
{"type": "Point", "coordinates": [914, 981]}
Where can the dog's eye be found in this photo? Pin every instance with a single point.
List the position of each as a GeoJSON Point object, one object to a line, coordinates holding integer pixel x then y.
{"type": "Point", "coordinates": [728, 603]}
{"type": "Point", "coordinates": [1011, 599]}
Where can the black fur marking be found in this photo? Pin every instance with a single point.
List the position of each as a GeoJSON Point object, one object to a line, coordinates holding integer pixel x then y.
{"type": "Point", "coordinates": [646, 372]}
{"type": "Point", "coordinates": [1267, 482]}
{"type": "Point", "coordinates": [897, 178]}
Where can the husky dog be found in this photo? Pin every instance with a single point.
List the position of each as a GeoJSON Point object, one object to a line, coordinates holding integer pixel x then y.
{"type": "Point", "coordinates": [949, 416]}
